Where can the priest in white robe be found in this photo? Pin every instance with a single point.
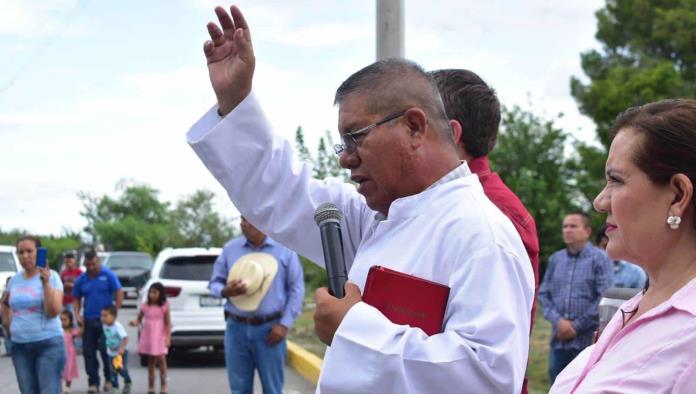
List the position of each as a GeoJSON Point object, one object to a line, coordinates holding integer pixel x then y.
{"type": "Point", "coordinates": [417, 209]}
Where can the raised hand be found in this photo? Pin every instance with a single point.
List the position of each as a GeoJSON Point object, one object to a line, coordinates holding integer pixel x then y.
{"type": "Point", "coordinates": [230, 58]}
{"type": "Point", "coordinates": [44, 274]}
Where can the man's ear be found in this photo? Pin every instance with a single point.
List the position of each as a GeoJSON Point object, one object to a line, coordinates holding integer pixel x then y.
{"type": "Point", "coordinates": [588, 230]}
{"type": "Point", "coordinates": [417, 123]}
{"type": "Point", "coordinates": [456, 131]}
{"type": "Point", "coordinates": [683, 190]}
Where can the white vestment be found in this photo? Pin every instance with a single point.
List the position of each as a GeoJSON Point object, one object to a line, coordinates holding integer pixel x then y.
{"type": "Point", "coordinates": [450, 233]}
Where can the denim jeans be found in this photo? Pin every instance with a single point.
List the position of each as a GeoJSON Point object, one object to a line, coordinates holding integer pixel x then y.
{"type": "Point", "coordinates": [93, 340]}
{"type": "Point", "coordinates": [123, 372]}
{"type": "Point", "coordinates": [245, 350]}
{"type": "Point", "coordinates": [39, 365]}
{"type": "Point", "coordinates": [559, 359]}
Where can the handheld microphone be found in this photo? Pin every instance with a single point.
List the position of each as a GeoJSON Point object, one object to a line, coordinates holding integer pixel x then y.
{"type": "Point", "coordinates": [328, 218]}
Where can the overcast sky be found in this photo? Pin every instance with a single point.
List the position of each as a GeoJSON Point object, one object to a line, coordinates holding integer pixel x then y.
{"type": "Point", "coordinates": [92, 92]}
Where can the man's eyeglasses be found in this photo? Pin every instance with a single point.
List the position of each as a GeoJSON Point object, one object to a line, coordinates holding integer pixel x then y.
{"type": "Point", "coordinates": [350, 143]}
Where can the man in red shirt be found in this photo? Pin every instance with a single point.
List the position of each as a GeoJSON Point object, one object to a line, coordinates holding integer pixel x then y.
{"type": "Point", "coordinates": [69, 275]}
{"type": "Point", "coordinates": [474, 111]}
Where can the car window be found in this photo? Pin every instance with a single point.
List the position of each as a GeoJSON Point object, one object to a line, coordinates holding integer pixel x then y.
{"type": "Point", "coordinates": [7, 262]}
{"type": "Point", "coordinates": [188, 268]}
{"type": "Point", "coordinates": [116, 262]}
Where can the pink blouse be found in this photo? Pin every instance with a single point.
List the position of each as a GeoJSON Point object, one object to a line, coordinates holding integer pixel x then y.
{"type": "Point", "coordinates": [654, 354]}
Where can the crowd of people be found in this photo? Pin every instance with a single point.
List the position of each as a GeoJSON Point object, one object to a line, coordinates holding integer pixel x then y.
{"type": "Point", "coordinates": [49, 319]}
{"type": "Point", "coordinates": [425, 203]}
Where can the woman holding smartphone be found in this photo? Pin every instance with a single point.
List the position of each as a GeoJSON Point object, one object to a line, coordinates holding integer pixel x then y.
{"type": "Point", "coordinates": [31, 308]}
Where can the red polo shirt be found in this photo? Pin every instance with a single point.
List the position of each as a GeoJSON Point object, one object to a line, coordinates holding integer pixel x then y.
{"type": "Point", "coordinates": [69, 276]}
{"type": "Point", "coordinates": [508, 202]}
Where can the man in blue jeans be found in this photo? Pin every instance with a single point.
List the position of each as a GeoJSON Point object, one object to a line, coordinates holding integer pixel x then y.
{"type": "Point", "coordinates": [265, 284]}
{"type": "Point", "coordinates": [100, 288]}
{"type": "Point", "coordinates": [575, 279]}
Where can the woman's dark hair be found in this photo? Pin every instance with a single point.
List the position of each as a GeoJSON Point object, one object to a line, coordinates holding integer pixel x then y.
{"type": "Point", "coordinates": [70, 317]}
{"type": "Point", "coordinates": [34, 239]}
{"type": "Point", "coordinates": [601, 234]}
{"type": "Point", "coordinates": [162, 295]}
{"type": "Point", "coordinates": [669, 143]}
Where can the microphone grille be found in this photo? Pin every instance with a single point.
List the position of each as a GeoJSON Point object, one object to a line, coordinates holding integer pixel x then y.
{"type": "Point", "coordinates": [327, 212]}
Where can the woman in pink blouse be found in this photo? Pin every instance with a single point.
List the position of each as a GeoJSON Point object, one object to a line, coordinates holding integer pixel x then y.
{"type": "Point", "coordinates": [649, 346]}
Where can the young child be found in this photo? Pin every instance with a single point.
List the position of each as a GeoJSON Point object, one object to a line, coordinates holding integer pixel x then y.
{"type": "Point", "coordinates": [155, 335]}
{"type": "Point", "coordinates": [68, 276]}
{"type": "Point", "coordinates": [116, 342]}
{"type": "Point", "coordinates": [4, 332]}
{"type": "Point", "coordinates": [69, 334]}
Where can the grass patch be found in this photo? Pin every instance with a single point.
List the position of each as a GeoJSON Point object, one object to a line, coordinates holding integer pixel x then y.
{"type": "Point", "coordinates": [302, 333]}
{"type": "Point", "coordinates": [537, 370]}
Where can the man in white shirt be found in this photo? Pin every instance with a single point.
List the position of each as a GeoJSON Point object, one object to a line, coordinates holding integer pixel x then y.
{"type": "Point", "coordinates": [417, 209]}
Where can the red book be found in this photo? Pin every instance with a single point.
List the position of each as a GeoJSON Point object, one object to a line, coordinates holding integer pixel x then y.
{"type": "Point", "coordinates": [407, 299]}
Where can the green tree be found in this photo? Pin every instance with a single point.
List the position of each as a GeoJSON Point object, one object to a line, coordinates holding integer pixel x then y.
{"type": "Point", "coordinates": [587, 168]}
{"type": "Point", "coordinates": [135, 220]}
{"type": "Point", "coordinates": [198, 224]}
{"type": "Point", "coordinates": [301, 147]}
{"type": "Point", "coordinates": [530, 158]}
{"type": "Point", "coordinates": [648, 53]}
{"type": "Point", "coordinates": [326, 163]}
{"type": "Point", "coordinates": [9, 237]}
{"type": "Point", "coordinates": [56, 244]}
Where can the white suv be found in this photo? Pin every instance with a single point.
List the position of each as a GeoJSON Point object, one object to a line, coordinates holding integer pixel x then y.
{"type": "Point", "coordinates": [197, 317]}
{"type": "Point", "coordinates": [9, 264]}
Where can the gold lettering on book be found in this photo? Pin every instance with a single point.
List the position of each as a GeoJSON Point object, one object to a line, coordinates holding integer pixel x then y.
{"type": "Point", "coordinates": [405, 311]}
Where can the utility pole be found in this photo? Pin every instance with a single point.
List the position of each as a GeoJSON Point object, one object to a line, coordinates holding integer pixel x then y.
{"type": "Point", "coordinates": [390, 28]}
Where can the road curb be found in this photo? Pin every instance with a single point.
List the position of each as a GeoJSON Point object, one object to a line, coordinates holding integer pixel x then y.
{"type": "Point", "coordinates": [305, 363]}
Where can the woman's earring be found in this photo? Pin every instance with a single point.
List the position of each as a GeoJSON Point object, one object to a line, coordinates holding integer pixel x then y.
{"type": "Point", "coordinates": [673, 221]}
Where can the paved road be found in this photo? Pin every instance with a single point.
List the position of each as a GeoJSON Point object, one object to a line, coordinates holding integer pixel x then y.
{"type": "Point", "coordinates": [195, 372]}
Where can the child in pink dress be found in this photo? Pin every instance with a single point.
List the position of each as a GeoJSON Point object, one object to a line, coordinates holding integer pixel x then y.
{"type": "Point", "coordinates": [155, 334]}
{"type": "Point", "coordinates": [69, 334]}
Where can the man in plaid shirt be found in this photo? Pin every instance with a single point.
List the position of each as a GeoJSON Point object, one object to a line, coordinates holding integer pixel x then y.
{"type": "Point", "coordinates": [575, 279]}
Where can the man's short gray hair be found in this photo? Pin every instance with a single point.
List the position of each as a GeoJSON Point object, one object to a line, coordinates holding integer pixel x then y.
{"type": "Point", "coordinates": [393, 85]}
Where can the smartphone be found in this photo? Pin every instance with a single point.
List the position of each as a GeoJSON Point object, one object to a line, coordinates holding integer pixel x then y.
{"type": "Point", "coordinates": [41, 257]}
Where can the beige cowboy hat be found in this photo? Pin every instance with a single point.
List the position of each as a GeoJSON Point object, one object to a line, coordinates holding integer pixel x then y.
{"type": "Point", "coordinates": [257, 271]}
